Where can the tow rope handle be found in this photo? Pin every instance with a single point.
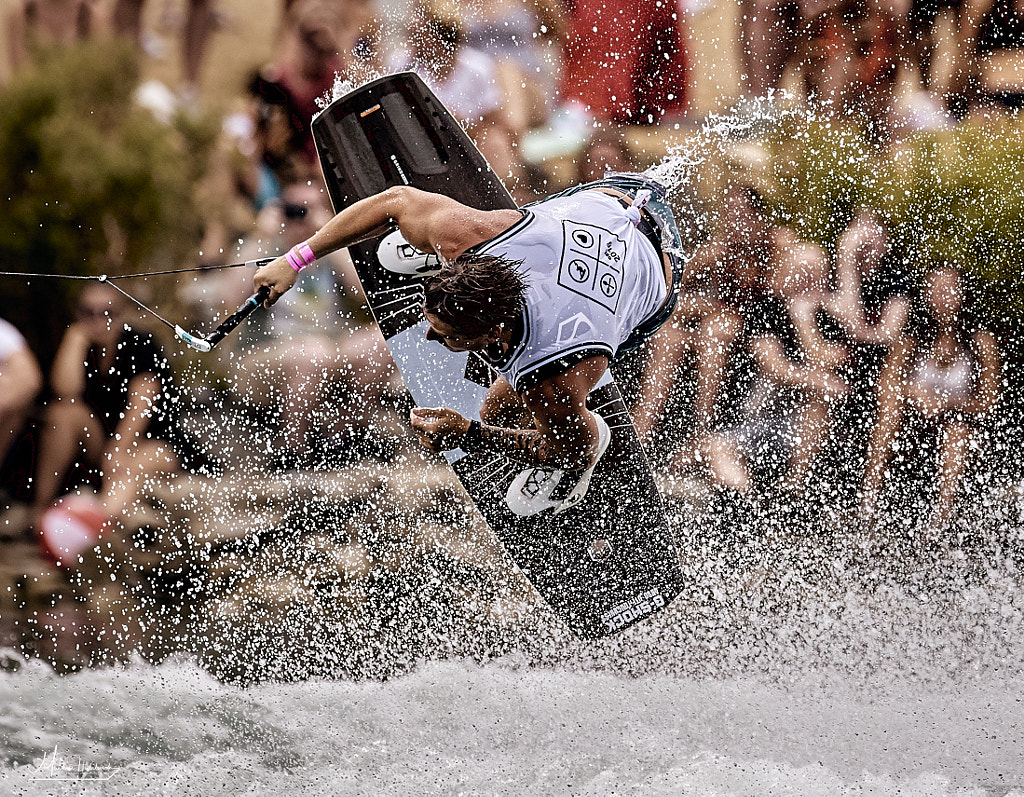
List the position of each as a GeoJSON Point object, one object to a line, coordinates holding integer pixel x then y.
{"type": "Point", "coordinates": [200, 343]}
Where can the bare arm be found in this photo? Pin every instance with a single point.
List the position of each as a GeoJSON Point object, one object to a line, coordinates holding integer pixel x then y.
{"type": "Point", "coordinates": [430, 222]}
{"type": "Point", "coordinates": [845, 302]}
{"type": "Point", "coordinates": [772, 360]}
{"type": "Point", "coordinates": [565, 435]}
{"type": "Point", "coordinates": [143, 394]}
{"type": "Point", "coordinates": [986, 395]}
{"type": "Point", "coordinates": [864, 239]}
{"type": "Point", "coordinates": [67, 377]}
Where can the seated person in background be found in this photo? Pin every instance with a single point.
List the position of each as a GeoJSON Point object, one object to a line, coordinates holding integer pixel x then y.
{"type": "Point", "coordinates": [870, 305]}
{"type": "Point", "coordinates": [309, 59]}
{"type": "Point", "coordinates": [927, 23]}
{"type": "Point", "coordinates": [113, 404]}
{"type": "Point", "coordinates": [948, 375]}
{"type": "Point", "coordinates": [314, 348]}
{"type": "Point", "coordinates": [20, 382]}
{"type": "Point", "coordinates": [724, 287]}
{"type": "Point", "coordinates": [770, 35]}
{"type": "Point", "coordinates": [870, 297]}
{"type": "Point", "coordinates": [258, 151]}
{"type": "Point", "coordinates": [851, 59]}
{"type": "Point", "coordinates": [524, 36]}
{"type": "Point", "coordinates": [787, 415]}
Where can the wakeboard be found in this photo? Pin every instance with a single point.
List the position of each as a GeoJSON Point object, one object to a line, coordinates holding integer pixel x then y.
{"type": "Point", "coordinates": [606, 562]}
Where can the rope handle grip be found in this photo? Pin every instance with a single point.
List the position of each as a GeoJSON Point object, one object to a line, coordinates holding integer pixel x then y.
{"type": "Point", "coordinates": [243, 312]}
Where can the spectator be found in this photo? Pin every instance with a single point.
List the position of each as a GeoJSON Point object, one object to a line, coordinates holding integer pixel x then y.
{"type": "Point", "coordinates": [271, 144]}
{"type": "Point", "coordinates": [310, 349]}
{"type": "Point", "coordinates": [20, 382]}
{"type": "Point", "coordinates": [851, 61]}
{"type": "Point", "coordinates": [848, 51]}
{"type": "Point", "coordinates": [787, 415]}
{"type": "Point", "coordinates": [524, 37]}
{"type": "Point", "coordinates": [626, 61]}
{"type": "Point", "coordinates": [200, 22]}
{"type": "Point", "coordinates": [36, 24]}
{"type": "Point", "coordinates": [922, 37]}
{"type": "Point", "coordinates": [258, 152]}
{"type": "Point", "coordinates": [725, 286]}
{"type": "Point", "coordinates": [946, 377]}
{"type": "Point", "coordinates": [467, 81]}
{"type": "Point", "coordinates": [112, 403]}
{"type": "Point", "coordinates": [309, 62]}
{"type": "Point", "coordinates": [771, 32]}
{"type": "Point", "coordinates": [870, 299]}
{"type": "Point", "coordinates": [605, 151]}
{"type": "Point", "coordinates": [870, 307]}
{"type": "Point", "coordinates": [996, 29]}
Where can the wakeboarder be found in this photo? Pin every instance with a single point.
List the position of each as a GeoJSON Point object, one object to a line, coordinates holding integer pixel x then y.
{"type": "Point", "coordinates": [549, 295]}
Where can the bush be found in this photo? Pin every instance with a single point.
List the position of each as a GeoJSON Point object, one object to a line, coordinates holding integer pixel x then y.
{"type": "Point", "coordinates": [952, 195]}
{"type": "Point", "coordinates": [90, 182]}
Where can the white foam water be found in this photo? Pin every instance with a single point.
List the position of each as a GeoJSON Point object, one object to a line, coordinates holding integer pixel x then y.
{"type": "Point", "coordinates": [462, 728]}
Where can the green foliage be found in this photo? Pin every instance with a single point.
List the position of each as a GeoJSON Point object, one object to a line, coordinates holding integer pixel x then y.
{"type": "Point", "coordinates": [824, 171]}
{"type": "Point", "coordinates": [89, 182]}
{"type": "Point", "coordinates": [955, 195]}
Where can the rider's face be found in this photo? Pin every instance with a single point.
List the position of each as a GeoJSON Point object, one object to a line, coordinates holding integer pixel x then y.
{"type": "Point", "coordinates": [453, 340]}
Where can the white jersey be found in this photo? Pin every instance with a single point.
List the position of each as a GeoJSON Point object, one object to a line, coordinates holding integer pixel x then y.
{"type": "Point", "coordinates": [591, 279]}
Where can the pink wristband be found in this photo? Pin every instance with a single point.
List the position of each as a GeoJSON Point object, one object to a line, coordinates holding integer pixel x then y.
{"type": "Point", "coordinates": [300, 256]}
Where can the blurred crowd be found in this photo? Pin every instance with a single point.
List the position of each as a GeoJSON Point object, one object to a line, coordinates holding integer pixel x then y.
{"type": "Point", "coordinates": [805, 366]}
{"type": "Point", "coordinates": [779, 350]}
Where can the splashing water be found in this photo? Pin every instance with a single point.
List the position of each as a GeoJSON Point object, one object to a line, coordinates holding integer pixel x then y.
{"type": "Point", "coordinates": [367, 636]}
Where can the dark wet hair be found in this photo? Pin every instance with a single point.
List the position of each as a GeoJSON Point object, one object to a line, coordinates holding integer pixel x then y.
{"type": "Point", "coordinates": [475, 293]}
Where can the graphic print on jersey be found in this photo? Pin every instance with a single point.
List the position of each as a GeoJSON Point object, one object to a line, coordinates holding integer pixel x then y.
{"type": "Point", "coordinates": [591, 266]}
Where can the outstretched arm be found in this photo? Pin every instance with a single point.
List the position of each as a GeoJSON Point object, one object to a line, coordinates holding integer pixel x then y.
{"type": "Point", "coordinates": [430, 222]}
{"type": "Point", "coordinates": [772, 360]}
